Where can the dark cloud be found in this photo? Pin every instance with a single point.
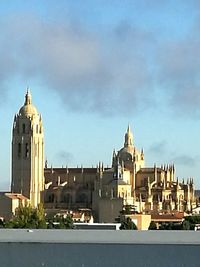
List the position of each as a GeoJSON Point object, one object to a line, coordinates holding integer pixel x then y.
{"type": "Point", "coordinates": [159, 148]}
{"type": "Point", "coordinates": [106, 74]}
{"type": "Point", "coordinates": [111, 72]}
{"type": "Point", "coordinates": [185, 160]}
{"type": "Point", "coordinates": [65, 157]}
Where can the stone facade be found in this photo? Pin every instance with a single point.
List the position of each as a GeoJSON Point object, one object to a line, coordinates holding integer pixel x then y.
{"type": "Point", "coordinates": [149, 190]}
{"type": "Point", "coordinates": [9, 202]}
{"type": "Point", "coordinates": [126, 183]}
{"type": "Point", "coordinates": [28, 153]}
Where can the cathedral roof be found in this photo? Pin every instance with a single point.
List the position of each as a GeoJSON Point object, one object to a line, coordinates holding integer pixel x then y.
{"type": "Point", "coordinates": [149, 170]}
{"type": "Point", "coordinates": [28, 109]}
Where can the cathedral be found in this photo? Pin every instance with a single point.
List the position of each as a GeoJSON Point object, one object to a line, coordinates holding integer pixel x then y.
{"type": "Point", "coordinates": [102, 191]}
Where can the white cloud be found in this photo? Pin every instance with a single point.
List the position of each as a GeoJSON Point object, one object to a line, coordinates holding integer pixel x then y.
{"type": "Point", "coordinates": [107, 77]}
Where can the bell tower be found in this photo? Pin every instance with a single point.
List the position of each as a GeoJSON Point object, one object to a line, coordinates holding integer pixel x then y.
{"type": "Point", "coordinates": [28, 153]}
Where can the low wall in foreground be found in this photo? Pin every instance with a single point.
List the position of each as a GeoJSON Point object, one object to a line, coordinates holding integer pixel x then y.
{"type": "Point", "coordinates": [59, 248]}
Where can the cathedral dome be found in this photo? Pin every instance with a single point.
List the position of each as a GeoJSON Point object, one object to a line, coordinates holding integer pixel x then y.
{"type": "Point", "coordinates": [28, 109]}
{"type": "Point", "coordinates": [128, 151]}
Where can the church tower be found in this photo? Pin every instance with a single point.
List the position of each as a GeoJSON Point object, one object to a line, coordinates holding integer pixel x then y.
{"type": "Point", "coordinates": [129, 155]}
{"type": "Point", "coordinates": [28, 153]}
{"type": "Point", "coordinates": [130, 158]}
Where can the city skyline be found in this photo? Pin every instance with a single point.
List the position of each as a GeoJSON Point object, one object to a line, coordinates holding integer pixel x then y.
{"type": "Point", "coordinates": [95, 68]}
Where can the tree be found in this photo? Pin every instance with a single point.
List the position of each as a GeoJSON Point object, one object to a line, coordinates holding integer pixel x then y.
{"type": "Point", "coordinates": [66, 222]}
{"type": "Point", "coordinates": [128, 209]}
{"type": "Point", "coordinates": [128, 224]}
{"type": "Point", "coordinates": [170, 226]}
{"type": "Point", "coordinates": [2, 223]}
{"type": "Point", "coordinates": [39, 217]}
{"type": "Point", "coordinates": [186, 225]}
{"type": "Point", "coordinates": [152, 226]}
{"type": "Point", "coordinates": [28, 217]}
{"type": "Point", "coordinates": [69, 224]}
{"type": "Point", "coordinates": [61, 222]}
{"type": "Point", "coordinates": [193, 220]}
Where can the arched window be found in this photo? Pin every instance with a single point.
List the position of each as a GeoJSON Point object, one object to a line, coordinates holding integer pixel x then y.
{"type": "Point", "coordinates": [19, 150]}
{"type": "Point", "coordinates": [23, 128]}
{"type": "Point", "coordinates": [155, 197]}
{"type": "Point", "coordinates": [82, 198]}
{"type": "Point", "coordinates": [26, 150]}
{"type": "Point", "coordinates": [67, 198]}
{"type": "Point", "coordinates": [51, 198]}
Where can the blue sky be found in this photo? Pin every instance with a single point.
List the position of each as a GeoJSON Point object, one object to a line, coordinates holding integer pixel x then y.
{"type": "Point", "coordinates": [95, 66]}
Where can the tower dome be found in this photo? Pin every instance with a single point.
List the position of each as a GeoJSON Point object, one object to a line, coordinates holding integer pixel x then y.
{"type": "Point", "coordinates": [28, 109]}
{"type": "Point", "coordinates": [129, 155]}
{"type": "Point", "coordinates": [128, 151]}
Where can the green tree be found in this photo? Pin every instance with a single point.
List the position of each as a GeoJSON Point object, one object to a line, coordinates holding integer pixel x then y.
{"type": "Point", "coordinates": [186, 225]}
{"type": "Point", "coordinates": [38, 216]}
{"type": "Point", "coordinates": [61, 222]}
{"type": "Point", "coordinates": [190, 222]}
{"type": "Point", "coordinates": [152, 226]}
{"type": "Point", "coordinates": [69, 224]}
{"type": "Point", "coordinates": [128, 209]}
{"type": "Point", "coordinates": [128, 224]}
{"type": "Point", "coordinates": [28, 217]}
{"type": "Point", "coordinates": [170, 226]}
{"type": "Point", "coordinates": [64, 222]}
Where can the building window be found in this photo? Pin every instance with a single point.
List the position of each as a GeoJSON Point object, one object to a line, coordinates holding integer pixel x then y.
{"type": "Point", "coordinates": [23, 128]}
{"type": "Point", "coordinates": [19, 149]}
{"type": "Point", "coordinates": [51, 198]}
{"type": "Point", "coordinates": [67, 198]}
{"type": "Point", "coordinates": [82, 198]}
{"type": "Point", "coordinates": [26, 150]}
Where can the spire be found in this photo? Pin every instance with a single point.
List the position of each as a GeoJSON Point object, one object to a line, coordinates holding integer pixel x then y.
{"type": "Point", "coordinates": [46, 163]}
{"type": "Point", "coordinates": [142, 154]}
{"type": "Point", "coordinates": [28, 97]}
{"type": "Point", "coordinates": [128, 137]}
{"type": "Point", "coordinates": [114, 158]}
{"type": "Point", "coordinates": [67, 170]}
{"type": "Point", "coordinates": [173, 167]}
